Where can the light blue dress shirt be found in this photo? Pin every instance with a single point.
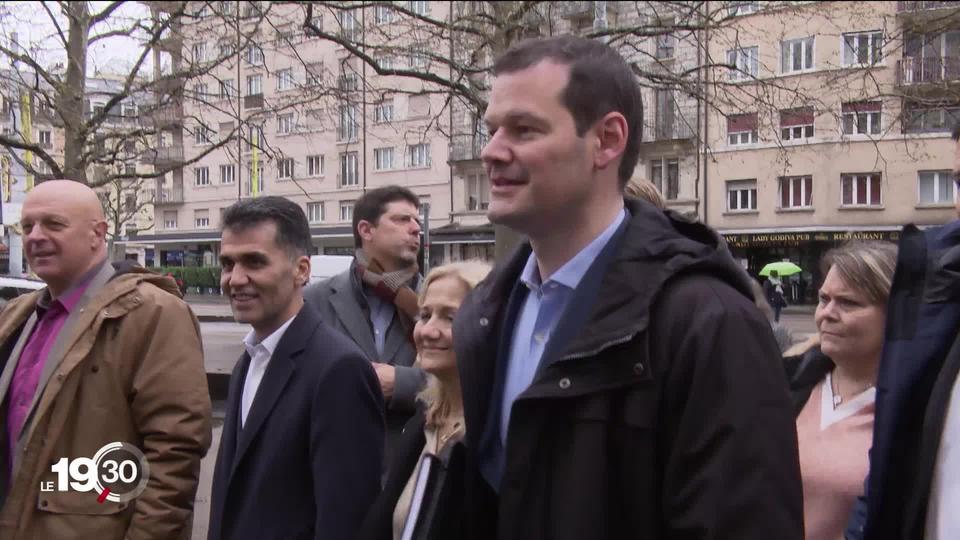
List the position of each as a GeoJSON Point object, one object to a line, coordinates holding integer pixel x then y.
{"type": "Point", "coordinates": [545, 304]}
{"type": "Point", "coordinates": [381, 315]}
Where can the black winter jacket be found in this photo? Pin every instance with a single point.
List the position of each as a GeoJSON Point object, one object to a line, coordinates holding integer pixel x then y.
{"type": "Point", "coordinates": [666, 415]}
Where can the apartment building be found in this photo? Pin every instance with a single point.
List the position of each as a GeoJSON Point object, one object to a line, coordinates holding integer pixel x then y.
{"type": "Point", "coordinates": [315, 125]}
{"type": "Point", "coordinates": [834, 125]}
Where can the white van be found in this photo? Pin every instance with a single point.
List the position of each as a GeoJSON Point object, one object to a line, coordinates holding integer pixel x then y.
{"type": "Point", "coordinates": [326, 266]}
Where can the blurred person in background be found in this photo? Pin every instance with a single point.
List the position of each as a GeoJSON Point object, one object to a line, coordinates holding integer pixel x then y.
{"type": "Point", "coordinates": [780, 332]}
{"type": "Point", "coordinates": [832, 383]}
{"type": "Point", "coordinates": [438, 423]}
{"type": "Point", "coordinates": [638, 188]}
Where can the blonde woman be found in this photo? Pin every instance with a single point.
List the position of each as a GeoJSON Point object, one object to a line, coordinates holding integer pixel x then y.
{"type": "Point", "coordinates": [438, 425]}
{"type": "Point", "coordinates": [832, 383]}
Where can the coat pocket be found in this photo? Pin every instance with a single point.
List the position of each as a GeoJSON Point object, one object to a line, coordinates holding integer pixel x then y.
{"type": "Point", "coordinates": [77, 503]}
{"type": "Point", "coordinates": [632, 407]}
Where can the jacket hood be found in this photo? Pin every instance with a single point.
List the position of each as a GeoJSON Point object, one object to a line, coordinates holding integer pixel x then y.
{"type": "Point", "coordinates": [655, 247]}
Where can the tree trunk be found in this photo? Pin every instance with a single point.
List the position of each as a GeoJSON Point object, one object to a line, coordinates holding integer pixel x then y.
{"type": "Point", "coordinates": [72, 92]}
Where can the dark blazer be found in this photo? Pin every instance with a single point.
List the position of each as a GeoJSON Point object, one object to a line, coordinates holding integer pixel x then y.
{"type": "Point", "coordinates": [920, 362]}
{"type": "Point", "coordinates": [341, 305]}
{"type": "Point", "coordinates": [306, 464]}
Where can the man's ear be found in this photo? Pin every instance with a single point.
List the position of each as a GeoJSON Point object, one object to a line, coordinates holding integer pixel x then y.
{"type": "Point", "coordinates": [303, 270]}
{"type": "Point", "coordinates": [365, 229]}
{"type": "Point", "coordinates": [100, 229]}
{"type": "Point", "coordinates": [611, 134]}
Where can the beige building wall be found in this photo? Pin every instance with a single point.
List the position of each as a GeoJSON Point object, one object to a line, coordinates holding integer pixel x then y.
{"type": "Point", "coordinates": [896, 156]}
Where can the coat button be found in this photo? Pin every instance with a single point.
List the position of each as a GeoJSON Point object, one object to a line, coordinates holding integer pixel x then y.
{"type": "Point", "coordinates": [95, 368]}
{"type": "Point", "coordinates": [44, 503]}
{"type": "Point", "coordinates": [484, 322]}
{"type": "Point", "coordinates": [638, 368]}
{"type": "Point", "coordinates": [564, 383]}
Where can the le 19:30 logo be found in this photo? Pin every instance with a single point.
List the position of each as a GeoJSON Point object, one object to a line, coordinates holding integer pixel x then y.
{"type": "Point", "coordinates": [118, 472]}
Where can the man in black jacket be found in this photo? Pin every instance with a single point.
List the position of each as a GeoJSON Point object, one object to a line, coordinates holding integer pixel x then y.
{"type": "Point", "coordinates": [618, 381]}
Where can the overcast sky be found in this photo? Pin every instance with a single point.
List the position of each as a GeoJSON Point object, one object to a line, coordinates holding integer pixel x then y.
{"type": "Point", "coordinates": [36, 32]}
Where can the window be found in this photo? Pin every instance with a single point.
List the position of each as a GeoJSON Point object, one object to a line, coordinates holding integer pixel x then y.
{"type": "Point", "coordinates": [385, 61]}
{"type": "Point", "coordinates": [383, 158]}
{"type": "Point", "coordinates": [349, 82]}
{"type": "Point", "coordinates": [346, 210]}
{"type": "Point", "coordinates": [420, 8]}
{"type": "Point", "coordinates": [199, 53]}
{"type": "Point", "coordinates": [285, 169]}
{"type": "Point", "coordinates": [226, 50]}
{"type": "Point", "coordinates": [665, 174]}
{"type": "Point", "coordinates": [936, 187]}
{"type": "Point", "coordinates": [347, 129]}
{"type": "Point", "coordinates": [861, 117]}
{"type": "Point", "coordinates": [285, 123]}
{"type": "Point", "coordinates": [256, 138]}
{"type": "Point", "coordinates": [795, 191]}
{"type": "Point", "coordinates": [478, 192]}
{"type": "Point", "coordinates": [314, 165]}
{"type": "Point", "coordinates": [128, 110]}
{"type": "Point", "coordinates": [745, 62]}
{"type": "Point", "coordinates": [924, 118]}
{"type": "Point", "coordinates": [383, 111]}
{"type": "Point", "coordinates": [741, 8]}
{"type": "Point", "coordinates": [45, 138]}
{"type": "Point", "coordinates": [226, 8]}
{"type": "Point", "coordinates": [742, 129]}
{"type": "Point", "coordinates": [170, 219]}
{"type": "Point", "coordinates": [418, 155]}
{"type": "Point", "coordinates": [201, 219]}
{"type": "Point", "coordinates": [382, 14]}
{"type": "Point", "coordinates": [862, 48]}
{"type": "Point", "coordinates": [314, 73]}
{"type": "Point", "coordinates": [741, 195]}
{"type": "Point", "coordinates": [201, 176]}
{"type": "Point", "coordinates": [796, 123]}
{"type": "Point", "coordinates": [260, 180]}
{"type": "Point", "coordinates": [228, 89]}
{"type": "Point", "coordinates": [202, 135]}
{"type": "Point", "coordinates": [254, 55]}
{"type": "Point", "coordinates": [666, 44]}
{"type": "Point", "coordinates": [200, 90]}
{"type": "Point", "coordinates": [349, 170]}
{"type": "Point", "coordinates": [228, 174]}
{"type": "Point", "coordinates": [285, 79]}
{"type": "Point", "coordinates": [254, 85]}
{"type": "Point", "coordinates": [130, 203]}
{"type": "Point", "coordinates": [348, 25]}
{"type": "Point", "coordinates": [860, 189]}
{"type": "Point", "coordinates": [796, 55]}
{"type": "Point", "coordinates": [418, 60]}
{"type": "Point", "coordinates": [315, 212]}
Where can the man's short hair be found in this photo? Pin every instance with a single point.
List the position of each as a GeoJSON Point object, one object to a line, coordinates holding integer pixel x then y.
{"type": "Point", "coordinates": [293, 230]}
{"type": "Point", "coordinates": [600, 82]}
{"type": "Point", "coordinates": [374, 203]}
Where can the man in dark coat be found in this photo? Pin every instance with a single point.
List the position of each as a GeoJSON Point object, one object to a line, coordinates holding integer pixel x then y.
{"type": "Point", "coordinates": [912, 490]}
{"type": "Point", "coordinates": [618, 381]}
{"type": "Point", "coordinates": [302, 439]}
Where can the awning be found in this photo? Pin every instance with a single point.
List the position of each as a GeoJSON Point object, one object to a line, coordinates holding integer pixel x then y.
{"type": "Point", "coordinates": [456, 233]}
{"type": "Point", "coordinates": [196, 237]}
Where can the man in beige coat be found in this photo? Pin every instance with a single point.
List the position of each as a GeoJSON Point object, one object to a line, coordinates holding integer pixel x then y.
{"type": "Point", "coordinates": [106, 353]}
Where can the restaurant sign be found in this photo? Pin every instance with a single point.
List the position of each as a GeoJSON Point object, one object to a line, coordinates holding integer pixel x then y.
{"type": "Point", "coordinates": [799, 238]}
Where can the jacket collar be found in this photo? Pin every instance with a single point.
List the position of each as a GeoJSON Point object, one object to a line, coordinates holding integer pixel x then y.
{"type": "Point", "coordinates": [656, 247]}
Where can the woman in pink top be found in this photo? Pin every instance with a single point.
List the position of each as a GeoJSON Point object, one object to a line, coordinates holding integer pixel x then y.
{"type": "Point", "coordinates": [832, 383]}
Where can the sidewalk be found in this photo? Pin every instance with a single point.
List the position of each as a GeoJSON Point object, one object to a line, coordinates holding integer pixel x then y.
{"type": "Point", "coordinates": [210, 308]}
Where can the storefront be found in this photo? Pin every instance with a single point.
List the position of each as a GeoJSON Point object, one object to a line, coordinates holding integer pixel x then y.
{"type": "Point", "coordinates": [804, 248]}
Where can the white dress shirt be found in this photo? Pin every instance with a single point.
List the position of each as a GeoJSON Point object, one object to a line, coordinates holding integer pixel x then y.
{"type": "Point", "coordinates": [260, 353]}
{"type": "Point", "coordinates": [943, 521]}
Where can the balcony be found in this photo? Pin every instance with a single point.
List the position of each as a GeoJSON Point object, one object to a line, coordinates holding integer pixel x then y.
{"type": "Point", "coordinates": [169, 84]}
{"type": "Point", "coordinates": [928, 71]}
{"type": "Point", "coordinates": [167, 115]}
{"type": "Point", "coordinates": [466, 147]}
{"type": "Point", "coordinates": [579, 10]}
{"type": "Point", "coordinates": [919, 14]}
{"type": "Point", "coordinates": [253, 102]}
{"type": "Point", "coordinates": [678, 129]}
{"type": "Point", "coordinates": [168, 196]}
{"type": "Point", "coordinates": [907, 7]}
{"type": "Point", "coordinates": [165, 156]}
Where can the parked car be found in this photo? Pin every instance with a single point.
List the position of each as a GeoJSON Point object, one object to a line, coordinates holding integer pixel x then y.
{"type": "Point", "coordinates": [12, 287]}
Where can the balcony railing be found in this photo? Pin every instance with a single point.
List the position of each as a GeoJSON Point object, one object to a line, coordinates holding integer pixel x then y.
{"type": "Point", "coordinates": [166, 155]}
{"type": "Point", "coordinates": [911, 71]}
{"type": "Point", "coordinates": [677, 129]}
{"type": "Point", "coordinates": [582, 9]}
{"type": "Point", "coordinates": [169, 115]}
{"type": "Point", "coordinates": [904, 6]}
{"type": "Point", "coordinates": [466, 147]}
{"type": "Point", "coordinates": [165, 196]}
{"type": "Point", "coordinates": [253, 102]}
